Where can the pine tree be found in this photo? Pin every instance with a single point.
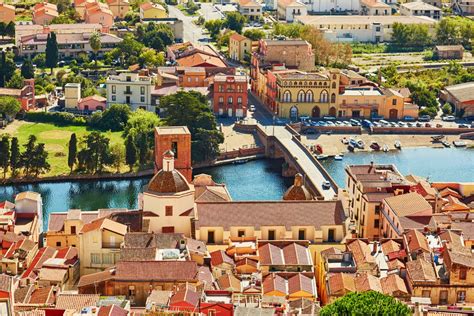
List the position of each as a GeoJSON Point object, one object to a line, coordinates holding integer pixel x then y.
{"type": "Point", "coordinates": [72, 156]}
{"type": "Point", "coordinates": [40, 163]}
{"type": "Point", "coordinates": [142, 148]}
{"type": "Point", "coordinates": [28, 155]}
{"type": "Point", "coordinates": [27, 69]}
{"type": "Point", "coordinates": [3, 62]}
{"type": "Point", "coordinates": [4, 155]}
{"type": "Point", "coordinates": [130, 152]}
{"type": "Point", "coordinates": [52, 51]}
{"type": "Point", "coordinates": [15, 162]}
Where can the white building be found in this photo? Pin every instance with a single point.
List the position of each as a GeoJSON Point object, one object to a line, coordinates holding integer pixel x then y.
{"type": "Point", "coordinates": [419, 8]}
{"type": "Point", "coordinates": [252, 10]}
{"type": "Point", "coordinates": [362, 28]}
{"type": "Point", "coordinates": [332, 6]}
{"type": "Point", "coordinates": [72, 95]}
{"type": "Point", "coordinates": [375, 7]}
{"type": "Point", "coordinates": [288, 10]}
{"type": "Point", "coordinates": [130, 88]}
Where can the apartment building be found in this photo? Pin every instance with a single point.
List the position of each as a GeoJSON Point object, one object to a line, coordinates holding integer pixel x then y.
{"type": "Point", "coordinates": [98, 12]}
{"type": "Point", "coordinates": [325, 6]}
{"type": "Point", "coordinates": [367, 186]}
{"type": "Point", "coordinates": [240, 47]}
{"type": "Point", "coordinates": [288, 10]}
{"type": "Point", "coordinates": [419, 8]}
{"type": "Point", "coordinates": [375, 8]}
{"type": "Point", "coordinates": [44, 13]}
{"type": "Point", "coordinates": [230, 95]}
{"type": "Point", "coordinates": [252, 10]}
{"type": "Point", "coordinates": [130, 88]}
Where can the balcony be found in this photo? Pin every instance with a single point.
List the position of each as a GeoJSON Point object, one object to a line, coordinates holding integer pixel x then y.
{"type": "Point", "coordinates": [391, 222]}
{"type": "Point", "coordinates": [127, 92]}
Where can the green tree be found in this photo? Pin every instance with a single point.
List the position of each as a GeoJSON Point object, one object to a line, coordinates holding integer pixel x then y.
{"type": "Point", "coordinates": [254, 34]}
{"type": "Point", "coordinates": [10, 29]}
{"type": "Point", "coordinates": [235, 21]}
{"type": "Point", "coordinates": [447, 109]}
{"type": "Point", "coordinates": [366, 303]}
{"type": "Point", "coordinates": [190, 109]}
{"type": "Point", "coordinates": [27, 69]}
{"type": "Point", "coordinates": [52, 51]}
{"type": "Point", "coordinates": [28, 155]}
{"type": "Point", "coordinates": [117, 156]}
{"type": "Point", "coordinates": [151, 58]}
{"type": "Point", "coordinates": [130, 152]}
{"type": "Point", "coordinates": [40, 60]}
{"type": "Point", "coordinates": [142, 141]}
{"type": "Point", "coordinates": [96, 43]}
{"type": "Point", "coordinates": [142, 122]}
{"type": "Point", "coordinates": [95, 154]}
{"type": "Point", "coordinates": [112, 119]}
{"type": "Point", "coordinates": [9, 106]}
{"type": "Point", "coordinates": [16, 81]}
{"type": "Point", "coordinates": [72, 151]}
{"type": "Point", "coordinates": [214, 27]}
{"type": "Point", "coordinates": [15, 156]}
{"type": "Point", "coordinates": [39, 163]}
{"type": "Point", "coordinates": [5, 155]}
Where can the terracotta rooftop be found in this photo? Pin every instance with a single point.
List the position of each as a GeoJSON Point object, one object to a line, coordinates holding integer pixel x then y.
{"type": "Point", "coordinates": [361, 252]}
{"type": "Point", "coordinates": [366, 282]}
{"type": "Point", "coordinates": [185, 271]}
{"type": "Point", "coordinates": [219, 257]}
{"type": "Point", "coordinates": [104, 223]}
{"type": "Point", "coordinates": [185, 296]}
{"type": "Point", "coordinates": [408, 204]}
{"type": "Point", "coordinates": [393, 284]}
{"type": "Point", "coordinates": [416, 241]}
{"type": "Point", "coordinates": [421, 270]}
{"type": "Point", "coordinates": [168, 182]}
{"type": "Point", "coordinates": [76, 301]}
{"type": "Point", "coordinates": [286, 254]}
{"type": "Point", "coordinates": [269, 213]}
{"type": "Point", "coordinates": [274, 283]}
{"type": "Point", "coordinates": [341, 283]}
{"type": "Point", "coordinates": [228, 282]}
{"type": "Point", "coordinates": [300, 283]}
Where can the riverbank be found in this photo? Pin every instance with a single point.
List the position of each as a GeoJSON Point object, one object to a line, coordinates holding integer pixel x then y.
{"type": "Point", "coordinates": [332, 144]}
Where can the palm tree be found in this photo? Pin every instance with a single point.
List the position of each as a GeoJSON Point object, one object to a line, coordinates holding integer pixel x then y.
{"type": "Point", "coordinates": [96, 44]}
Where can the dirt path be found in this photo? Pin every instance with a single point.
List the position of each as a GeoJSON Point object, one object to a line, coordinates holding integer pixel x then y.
{"type": "Point", "coordinates": [13, 127]}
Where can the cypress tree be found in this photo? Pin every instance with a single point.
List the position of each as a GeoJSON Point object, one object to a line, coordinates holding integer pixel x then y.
{"type": "Point", "coordinates": [28, 155]}
{"type": "Point", "coordinates": [72, 156]}
{"type": "Point", "coordinates": [4, 155]}
{"type": "Point", "coordinates": [15, 155]}
{"type": "Point", "coordinates": [142, 148]}
{"type": "Point", "coordinates": [3, 62]}
{"type": "Point", "coordinates": [130, 152]}
{"type": "Point", "coordinates": [52, 51]}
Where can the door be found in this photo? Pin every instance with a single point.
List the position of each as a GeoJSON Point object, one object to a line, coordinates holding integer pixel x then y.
{"type": "Point", "coordinates": [332, 111]}
{"type": "Point", "coordinates": [294, 113]}
{"type": "Point", "coordinates": [210, 237]}
{"type": "Point", "coordinates": [127, 99]}
{"type": "Point", "coordinates": [167, 229]}
{"type": "Point", "coordinates": [229, 112]}
{"type": "Point", "coordinates": [393, 114]}
{"type": "Point", "coordinates": [271, 235]}
{"type": "Point", "coordinates": [316, 112]}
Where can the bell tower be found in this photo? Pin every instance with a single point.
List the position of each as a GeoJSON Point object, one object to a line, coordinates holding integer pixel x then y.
{"type": "Point", "coordinates": [178, 140]}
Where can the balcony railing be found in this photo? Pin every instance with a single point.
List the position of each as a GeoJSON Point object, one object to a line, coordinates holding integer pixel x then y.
{"type": "Point", "coordinates": [387, 217]}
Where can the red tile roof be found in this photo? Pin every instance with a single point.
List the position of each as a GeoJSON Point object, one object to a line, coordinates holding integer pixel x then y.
{"type": "Point", "coordinates": [393, 284]}
{"type": "Point", "coordinates": [76, 301]}
{"type": "Point", "coordinates": [219, 257]}
{"type": "Point", "coordinates": [184, 271]}
{"type": "Point", "coordinates": [42, 296]}
{"type": "Point", "coordinates": [186, 295]}
{"type": "Point", "coordinates": [300, 283]}
{"type": "Point", "coordinates": [416, 241]}
{"type": "Point", "coordinates": [274, 283]}
{"type": "Point", "coordinates": [112, 310]}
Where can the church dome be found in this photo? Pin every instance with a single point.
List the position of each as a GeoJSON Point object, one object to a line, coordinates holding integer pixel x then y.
{"type": "Point", "coordinates": [168, 179]}
{"type": "Point", "coordinates": [297, 192]}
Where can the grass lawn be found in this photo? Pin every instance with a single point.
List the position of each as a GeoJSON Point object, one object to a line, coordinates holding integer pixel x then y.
{"type": "Point", "coordinates": [56, 139]}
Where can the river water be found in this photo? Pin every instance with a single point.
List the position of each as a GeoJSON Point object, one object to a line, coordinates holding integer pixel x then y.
{"type": "Point", "coordinates": [254, 180]}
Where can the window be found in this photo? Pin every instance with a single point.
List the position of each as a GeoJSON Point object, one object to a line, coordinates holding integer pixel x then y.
{"type": "Point", "coordinates": [334, 85]}
{"type": "Point", "coordinates": [271, 234]}
{"type": "Point", "coordinates": [376, 223]}
{"type": "Point", "coordinates": [394, 102]}
{"type": "Point", "coordinates": [309, 96]}
{"type": "Point", "coordinates": [443, 297]}
{"type": "Point", "coordinates": [287, 96]}
{"type": "Point", "coordinates": [333, 98]}
{"type": "Point", "coordinates": [239, 100]}
{"type": "Point", "coordinates": [73, 229]}
{"type": "Point", "coordinates": [142, 99]}
{"type": "Point", "coordinates": [169, 210]}
{"type": "Point", "coordinates": [189, 79]}
{"type": "Point", "coordinates": [426, 293]}
{"type": "Point", "coordinates": [323, 97]}
{"type": "Point", "coordinates": [221, 99]}
{"type": "Point", "coordinates": [241, 233]}
{"type": "Point", "coordinates": [462, 273]}
{"type": "Point", "coordinates": [174, 148]}
{"type": "Point", "coordinates": [95, 258]}
{"type": "Point", "coordinates": [58, 244]}
{"type": "Point", "coordinates": [229, 100]}
{"type": "Point", "coordinates": [461, 296]}
{"type": "Point", "coordinates": [301, 96]}
{"type": "Point", "coordinates": [142, 90]}
{"type": "Point", "coordinates": [221, 88]}
{"type": "Point", "coordinates": [210, 237]}
{"type": "Point", "coordinates": [107, 258]}
{"type": "Point", "coordinates": [131, 290]}
{"type": "Point", "coordinates": [114, 89]}
{"type": "Point", "coordinates": [127, 89]}
{"type": "Point", "coordinates": [331, 234]}
{"type": "Point", "coordinates": [114, 98]}
{"type": "Point", "coordinates": [302, 234]}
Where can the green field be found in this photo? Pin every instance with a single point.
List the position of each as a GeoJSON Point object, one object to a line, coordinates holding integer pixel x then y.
{"type": "Point", "coordinates": [56, 139]}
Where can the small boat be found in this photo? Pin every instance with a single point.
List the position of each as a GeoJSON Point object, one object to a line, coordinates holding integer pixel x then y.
{"type": "Point", "coordinates": [353, 143]}
{"type": "Point", "coordinates": [398, 145]}
{"type": "Point", "coordinates": [360, 144]}
{"type": "Point", "coordinates": [240, 161]}
{"type": "Point", "coordinates": [345, 141]}
{"type": "Point", "coordinates": [350, 147]}
{"type": "Point", "coordinates": [338, 157]}
{"type": "Point", "coordinates": [321, 157]}
{"type": "Point", "coordinates": [375, 146]}
{"type": "Point", "coordinates": [385, 148]}
{"type": "Point", "coordinates": [437, 138]}
{"type": "Point", "coordinates": [459, 144]}
{"type": "Point", "coordinates": [446, 143]}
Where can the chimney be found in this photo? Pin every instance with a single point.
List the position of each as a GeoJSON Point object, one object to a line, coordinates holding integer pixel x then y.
{"type": "Point", "coordinates": [168, 160]}
{"type": "Point", "coordinates": [374, 247]}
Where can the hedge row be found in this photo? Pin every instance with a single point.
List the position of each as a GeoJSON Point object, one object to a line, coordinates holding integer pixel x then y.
{"type": "Point", "coordinates": [59, 118]}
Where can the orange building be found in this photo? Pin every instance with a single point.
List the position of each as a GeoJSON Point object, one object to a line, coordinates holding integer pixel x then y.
{"type": "Point", "coordinates": [230, 95]}
{"type": "Point", "coordinates": [7, 13]}
{"type": "Point", "coordinates": [99, 13]}
{"type": "Point", "coordinates": [178, 140]}
{"type": "Point", "coordinates": [44, 13]}
{"type": "Point", "coordinates": [191, 76]}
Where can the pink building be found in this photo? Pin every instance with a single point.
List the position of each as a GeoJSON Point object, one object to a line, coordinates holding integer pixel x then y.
{"type": "Point", "coordinates": [98, 12]}
{"type": "Point", "coordinates": [25, 95]}
{"type": "Point", "coordinates": [44, 13]}
{"type": "Point", "coordinates": [92, 103]}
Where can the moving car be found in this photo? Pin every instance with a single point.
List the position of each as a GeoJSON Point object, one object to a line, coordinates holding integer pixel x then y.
{"type": "Point", "coordinates": [326, 185]}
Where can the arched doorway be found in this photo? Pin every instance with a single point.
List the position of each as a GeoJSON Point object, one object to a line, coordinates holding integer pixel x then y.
{"type": "Point", "coordinates": [393, 114]}
{"type": "Point", "coordinates": [332, 111]}
{"type": "Point", "coordinates": [293, 113]}
{"type": "Point", "coordinates": [316, 112]}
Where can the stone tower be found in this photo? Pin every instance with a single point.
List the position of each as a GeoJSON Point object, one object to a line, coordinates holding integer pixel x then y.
{"type": "Point", "coordinates": [178, 140]}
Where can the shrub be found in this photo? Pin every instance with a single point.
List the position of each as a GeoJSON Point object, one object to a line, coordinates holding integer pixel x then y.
{"type": "Point", "coordinates": [59, 118]}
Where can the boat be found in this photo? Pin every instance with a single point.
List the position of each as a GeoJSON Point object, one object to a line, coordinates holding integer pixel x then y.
{"type": "Point", "coordinates": [459, 144]}
{"type": "Point", "coordinates": [338, 157]}
{"type": "Point", "coordinates": [345, 141]}
{"type": "Point", "coordinates": [360, 144]}
{"type": "Point", "coordinates": [446, 143]}
{"type": "Point", "coordinates": [321, 157]}
{"type": "Point", "coordinates": [398, 145]}
{"type": "Point", "coordinates": [375, 146]}
{"type": "Point", "coordinates": [385, 148]}
{"type": "Point", "coordinates": [353, 143]}
{"type": "Point", "coordinates": [240, 161]}
{"type": "Point", "coordinates": [437, 138]}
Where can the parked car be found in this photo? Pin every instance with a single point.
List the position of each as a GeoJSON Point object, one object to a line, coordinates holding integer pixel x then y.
{"type": "Point", "coordinates": [424, 118]}
{"type": "Point", "coordinates": [427, 125]}
{"type": "Point", "coordinates": [463, 126]}
{"type": "Point", "coordinates": [252, 107]}
{"type": "Point", "coordinates": [326, 185]}
{"type": "Point", "coordinates": [449, 118]}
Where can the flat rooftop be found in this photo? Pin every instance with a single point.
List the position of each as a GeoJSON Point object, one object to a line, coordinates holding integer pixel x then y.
{"type": "Point", "coordinates": [321, 20]}
{"type": "Point", "coordinates": [172, 130]}
{"type": "Point", "coordinates": [362, 92]}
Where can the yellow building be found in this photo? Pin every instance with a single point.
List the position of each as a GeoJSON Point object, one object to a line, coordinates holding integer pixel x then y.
{"type": "Point", "coordinates": [100, 244]}
{"type": "Point", "coordinates": [240, 47]}
{"type": "Point", "coordinates": [307, 94]}
{"type": "Point", "coordinates": [150, 10]}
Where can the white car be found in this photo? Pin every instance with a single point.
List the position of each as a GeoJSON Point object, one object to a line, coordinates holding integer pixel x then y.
{"type": "Point", "coordinates": [252, 107]}
{"type": "Point", "coordinates": [326, 185]}
{"type": "Point", "coordinates": [449, 118]}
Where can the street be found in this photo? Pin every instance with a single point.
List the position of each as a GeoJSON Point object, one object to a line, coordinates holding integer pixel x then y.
{"type": "Point", "coordinates": [192, 32]}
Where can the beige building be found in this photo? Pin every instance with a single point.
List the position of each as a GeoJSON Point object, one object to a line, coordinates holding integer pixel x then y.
{"type": "Point", "coordinates": [7, 13]}
{"type": "Point", "coordinates": [367, 186]}
{"type": "Point", "coordinates": [252, 10]}
{"type": "Point", "coordinates": [316, 221]}
{"type": "Point", "coordinates": [130, 88]}
{"type": "Point", "coordinates": [420, 8]}
{"type": "Point", "coordinates": [288, 10]}
{"type": "Point", "coordinates": [240, 47]}
{"type": "Point", "coordinates": [119, 8]}
{"type": "Point", "coordinates": [72, 95]}
{"type": "Point", "coordinates": [100, 242]}
{"type": "Point", "coordinates": [375, 7]}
